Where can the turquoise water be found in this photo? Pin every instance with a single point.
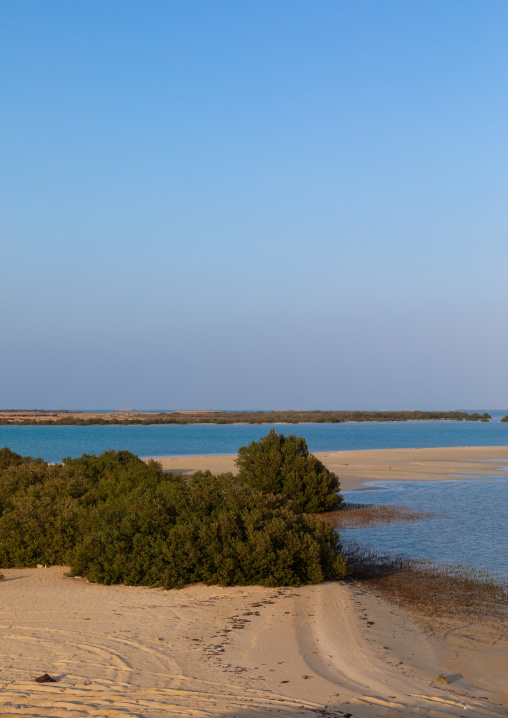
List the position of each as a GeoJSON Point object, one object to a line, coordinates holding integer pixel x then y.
{"type": "Point", "coordinates": [473, 530]}
{"type": "Point", "coordinates": [52, 443]}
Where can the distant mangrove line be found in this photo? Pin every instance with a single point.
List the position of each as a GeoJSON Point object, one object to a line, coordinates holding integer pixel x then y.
{"type": "Point", "coordinates": [79, 418]}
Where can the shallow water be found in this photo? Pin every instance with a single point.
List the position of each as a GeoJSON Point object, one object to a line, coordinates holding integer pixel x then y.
{"type": "Point", "coordinates": [473, 530]}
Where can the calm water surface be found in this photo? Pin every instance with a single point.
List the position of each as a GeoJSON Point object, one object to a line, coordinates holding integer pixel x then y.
{"type": "Point", "coordinates": [52, 443]}
{"type": "Point", "coordinates": [473, 531]}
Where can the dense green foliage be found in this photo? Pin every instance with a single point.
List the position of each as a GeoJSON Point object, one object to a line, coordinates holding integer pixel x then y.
{"type": "Point", "coordinates": [281, 464]}
{"type": "Point", "coordinates": [116, 519]}
{"type": "Point", "coordinates": [222, 417]}
{"type": "Point", "coordinates": [505, 418]}
{"type": "Point", "coordinates": [9, 458]}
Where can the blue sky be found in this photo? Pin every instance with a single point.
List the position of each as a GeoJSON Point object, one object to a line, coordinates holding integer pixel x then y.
{"type": "Point", "coordinates": [222, 204]}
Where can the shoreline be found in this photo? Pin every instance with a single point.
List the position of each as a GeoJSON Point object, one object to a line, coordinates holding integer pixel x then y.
{"type": "Point", "coordinates": [356, 468]}
{"type": "Point", "coordinates": [332, 649]}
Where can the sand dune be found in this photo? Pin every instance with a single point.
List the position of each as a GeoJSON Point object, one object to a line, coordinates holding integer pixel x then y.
{"type": "Point", "coordinates": [205, 651]}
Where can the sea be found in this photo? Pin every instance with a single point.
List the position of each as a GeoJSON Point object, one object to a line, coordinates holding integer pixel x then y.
{"type": "Point", "coordinates": [472, 527]}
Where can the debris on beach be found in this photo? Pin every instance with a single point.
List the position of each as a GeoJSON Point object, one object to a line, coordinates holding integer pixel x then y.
{"type": "Point", "coordinates": [45, 679]}
{"type": "Point", "coordinates": [441, 678]}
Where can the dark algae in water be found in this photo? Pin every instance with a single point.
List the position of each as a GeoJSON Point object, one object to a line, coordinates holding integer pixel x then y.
{"type": "Point", "coordinates": [432, 589]}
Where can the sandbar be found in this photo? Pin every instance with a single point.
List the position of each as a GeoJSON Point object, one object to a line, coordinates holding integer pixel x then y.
{"type": "Point", "coordinates": [356, 468]}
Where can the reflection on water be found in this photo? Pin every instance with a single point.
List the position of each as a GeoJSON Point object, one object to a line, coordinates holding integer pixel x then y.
{"type": "Point", "coordinates": [473, 531]}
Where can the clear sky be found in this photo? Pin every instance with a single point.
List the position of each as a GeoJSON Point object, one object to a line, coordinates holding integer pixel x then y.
{"type": "Point", "coordinates": [256, 204]}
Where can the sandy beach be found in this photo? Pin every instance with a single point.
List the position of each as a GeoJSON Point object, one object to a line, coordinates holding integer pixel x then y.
{"type": "Point", "coordinates": [328, 650]}
{"type": "Point", "coordinates": [355, 468]}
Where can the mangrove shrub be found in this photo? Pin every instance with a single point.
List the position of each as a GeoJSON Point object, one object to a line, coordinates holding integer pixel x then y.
{"type": "Point", "coordinates": [281, 464]}
{"type": "Point", "coordinates": [116, 519]}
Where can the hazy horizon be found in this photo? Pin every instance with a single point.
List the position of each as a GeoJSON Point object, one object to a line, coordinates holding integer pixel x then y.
{"type": "Point", "coordinates": [253, 204]}
{"type": "Point", "coordinates": [215, 409]}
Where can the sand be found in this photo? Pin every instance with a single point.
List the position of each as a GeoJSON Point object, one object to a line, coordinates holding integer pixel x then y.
{"type": "Point", "coordinates": [206, 651]}
{"type": "Point", "coordinates": [248, 652]}
{"type": "Point", "coordinates": [355, 468]}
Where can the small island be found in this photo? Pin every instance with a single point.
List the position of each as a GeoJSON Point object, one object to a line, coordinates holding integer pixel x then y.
{"type": "Point", "coordinates": [130, 416]}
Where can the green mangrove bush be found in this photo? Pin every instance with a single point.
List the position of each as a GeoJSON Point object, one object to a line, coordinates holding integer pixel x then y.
{"type": "Point", "coordinates": [116, 519]}
{"type": "Point", "coordinates": [281, 464]}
